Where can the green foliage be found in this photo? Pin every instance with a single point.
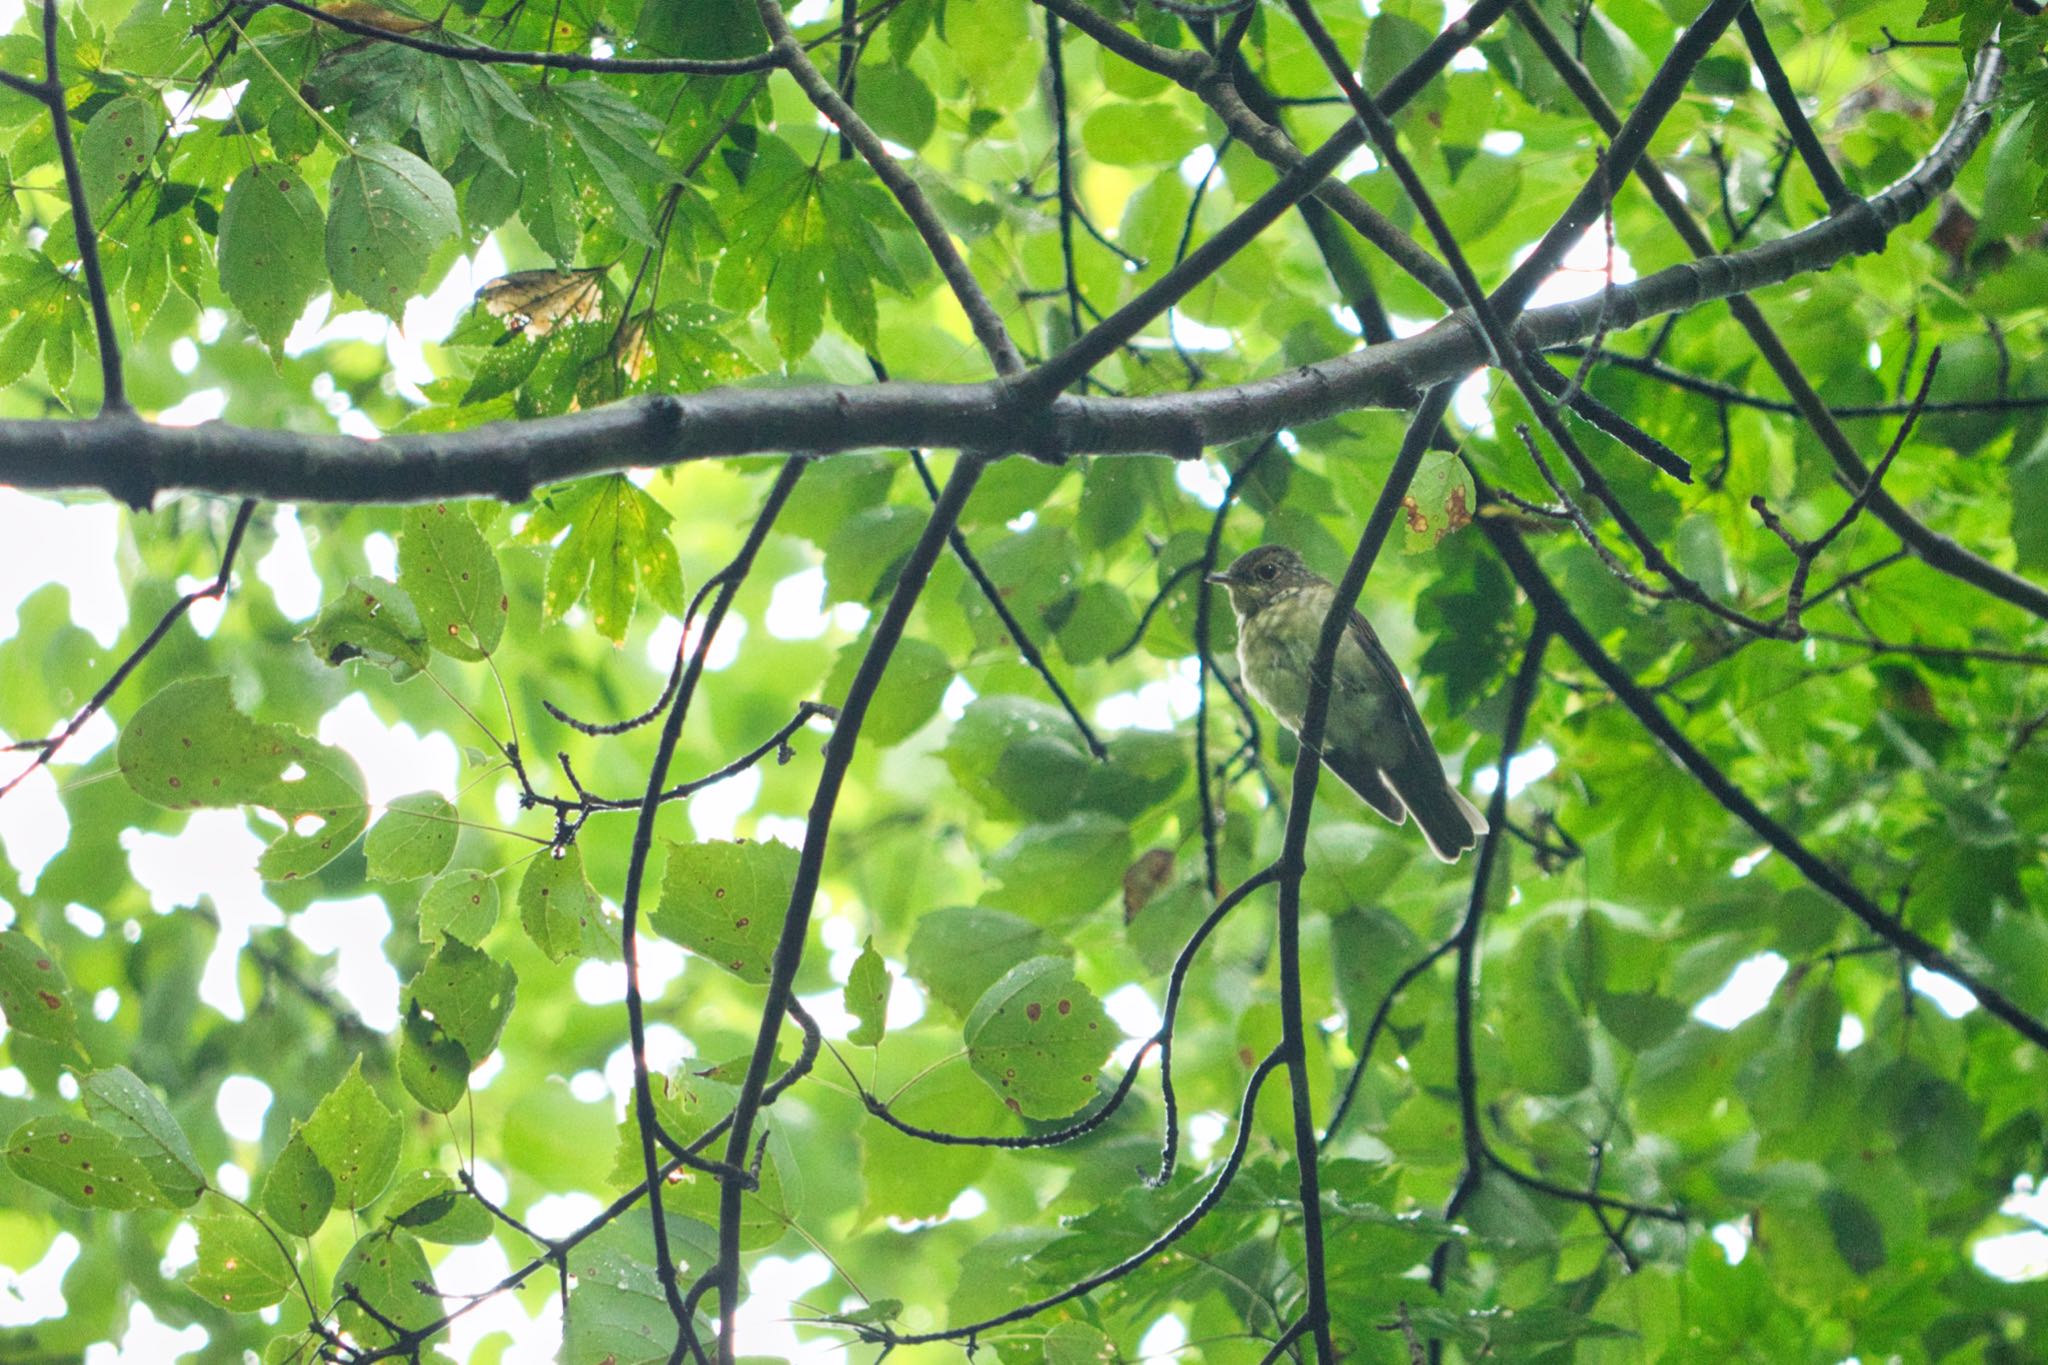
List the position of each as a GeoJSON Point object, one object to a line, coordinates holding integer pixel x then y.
{"type": "Point", "coordinates": [664, 234]}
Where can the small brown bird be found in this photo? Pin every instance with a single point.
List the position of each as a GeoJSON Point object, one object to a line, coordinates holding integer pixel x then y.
{"type": "Point", "coordinates": [1374, 740]}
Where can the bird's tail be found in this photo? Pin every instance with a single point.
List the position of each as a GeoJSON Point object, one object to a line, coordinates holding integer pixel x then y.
{"type": "Point", "coordinates": [1450, 822]}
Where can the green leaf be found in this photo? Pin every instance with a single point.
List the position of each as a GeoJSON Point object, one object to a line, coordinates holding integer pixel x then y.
{"type": "Point", "coordinates": [372, 620]}
{"type": "Point", "coordinates": [114, 149]}
{"type": "Point", "coordinates": [726, 902]}
{"type": "Point", "coordinates": [34, 995]}
{"type": "Point", "coordinates": [355, 1138]}
{"type": "Point", "coordinates": [431, 1206]}
{"type": "Point", "coordinates": [864, 554]}
{"type": "Point", "coordinates": [1153, 134]}
{"type": "Point", "coordinates": [1440, 500]}
{"type": "Point", "coordinates": [912, 686]}
{"type": "Point", "coordinates": [617, 1313]}
{"type": "Point", "coordinates": [617, 541]}
{"type": "Point", "coordinates": [271, 243]}
{"type": "Point", "coordinates": [867, 996]}
{"type": "Point", "coordinates": [415, 838]}
{"type": "Point", "coordinates": [1039, 1037]}
{"type": "Point", "coordinates": [461, 905]}
{"type": "Point", "coordinates": [385, 1269]}
{"type": "Point", "coordinates": [1016, 755]}
{"type": "Point", "coordinates": [118, 1101]}
{"type": "Point", "coordinates": [449, 571]}
{"type": "Point", "coordinates": [298, 1192]}
{"type": "Point", "coordinates": [557, 906]}
{"type": "Point", "coordinates": [387, 212]}
{"type": "Point", "coordinates": [1060, 871]}
{"type": "Point", "coordinates": [960, 952]}
{"type": "Point", "coordinates": [240, 1267]}
{"type": "Point", "coordinates": [80, 1162]}
{"type": "Point", "coordinates": [467, 994]}
{"type": "Point", "coordinates": [188, 747]}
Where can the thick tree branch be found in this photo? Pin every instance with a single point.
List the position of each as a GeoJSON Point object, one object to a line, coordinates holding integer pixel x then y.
{"type": "Point", "coordinates": [508, 460]}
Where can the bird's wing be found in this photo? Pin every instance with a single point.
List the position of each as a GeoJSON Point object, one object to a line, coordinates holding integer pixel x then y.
{"type": "Point", "coordinates": [1363, 776]}
{"type": "Point", "coordinates": [1417, 735]}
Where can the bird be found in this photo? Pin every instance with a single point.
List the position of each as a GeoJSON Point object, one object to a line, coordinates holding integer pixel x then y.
{"type": "Point", "coordinates": [1374, 740]}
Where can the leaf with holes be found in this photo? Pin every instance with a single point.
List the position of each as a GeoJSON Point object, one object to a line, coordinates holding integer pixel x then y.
{"type": "Point", "coordinates": [372, 620]}
{"type": "Point", "coordinates": [467, 994]}
{"type": "Point", "coordinates": [726, 902]}
{"type": "Point", "coordinates": [188, 747]}
{"type": "Point", "coordinates": [1039, 1037]}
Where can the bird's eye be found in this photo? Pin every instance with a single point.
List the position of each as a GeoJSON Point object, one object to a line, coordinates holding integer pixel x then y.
{"type": "Point", "coordinates": [1269, 571]}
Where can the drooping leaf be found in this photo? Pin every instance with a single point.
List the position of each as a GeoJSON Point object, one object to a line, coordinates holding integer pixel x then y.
{"type": "Point", "coordinates": [272, 236]}
{"type": "Point", "coordinates": [387, 212]}
{"type": "Point", "coordinates": [867, 996]}
{"type": "Point", "coordinates": [557, 906]}
{"type": "Point", "coordinates": [188, 747]}
{"type": "Point", "coordinates": [449, 571]}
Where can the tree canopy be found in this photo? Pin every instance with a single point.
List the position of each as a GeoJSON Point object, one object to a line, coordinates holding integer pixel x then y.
{"type": "Point", "coordinates": [667, 647]}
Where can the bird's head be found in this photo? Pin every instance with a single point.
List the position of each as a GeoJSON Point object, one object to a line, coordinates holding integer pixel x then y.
{"type": "Point", "coordinates": [1262, 576]}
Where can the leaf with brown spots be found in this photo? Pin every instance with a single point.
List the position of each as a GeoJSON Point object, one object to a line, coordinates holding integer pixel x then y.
{"type": "Point", "coordinates": [1439, 501]}
{"type": "Point", "coordinates": [385, 1270]}
{"type": "Point", "coordinates": [556, 903]}
{"type": "Point", "coordinates": [80, 1162]}
{"type": "Point", "coordinates": [1039, 1037]}
{"type": "Point", "coordinates": [189, 747]}
{"type": "Point", "coordinates": [725, 902]}
{"type": "Point", "coordinates": [446, 566]}
{"type": "Point", "coordinates": [34, 995]}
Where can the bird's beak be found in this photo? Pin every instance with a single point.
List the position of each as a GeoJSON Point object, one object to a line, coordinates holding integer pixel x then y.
{"type": "Point", "coordinates": [1220, 579]}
